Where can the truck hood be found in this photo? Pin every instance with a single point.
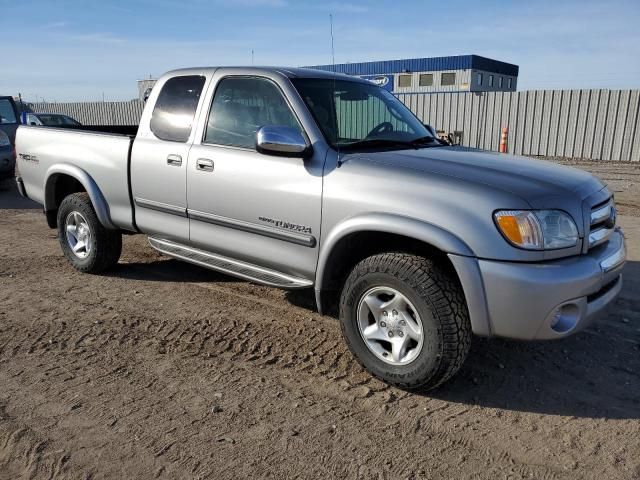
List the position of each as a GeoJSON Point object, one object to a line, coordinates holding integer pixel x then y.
{"type": "Point", "coordinates": [537, 182]}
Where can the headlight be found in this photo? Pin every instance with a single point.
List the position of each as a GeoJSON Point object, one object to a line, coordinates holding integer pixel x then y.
{"type": "Point", "coordinates": [4, 140]}
{"type": "Point", "coordinates": [537, 229]}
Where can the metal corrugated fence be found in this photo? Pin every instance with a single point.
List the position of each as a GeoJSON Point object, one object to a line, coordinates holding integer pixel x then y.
{"type": "Point", "coordinates": [96, 113]}
{"type": "Point", "coordinates": [593, 124]}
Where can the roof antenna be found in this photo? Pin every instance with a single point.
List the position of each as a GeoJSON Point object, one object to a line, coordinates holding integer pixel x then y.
{"type": "Point", "coordinates": [333, 64]}
{"type": "Point", "coordinates": [252, 57]}
{"type": "Point", "coordinates": [333, 54]}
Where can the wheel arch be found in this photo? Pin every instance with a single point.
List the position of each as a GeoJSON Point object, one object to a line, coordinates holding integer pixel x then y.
{"type": "Point", "coordinates": [65, 179]}
{"type": "Point", "coordinates": [360, 237]}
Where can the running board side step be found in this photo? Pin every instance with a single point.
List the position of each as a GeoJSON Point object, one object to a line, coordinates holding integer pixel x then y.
{"type": "Point", "coordinates": [228, 265]}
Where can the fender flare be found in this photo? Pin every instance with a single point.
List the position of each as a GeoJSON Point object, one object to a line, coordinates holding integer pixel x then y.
{"type": "Point", "coordinates": [459, 253]}
{"type": "Point", "coordinates": [389, 223]}
{"type": "Point", "coordinates": [98, 201]}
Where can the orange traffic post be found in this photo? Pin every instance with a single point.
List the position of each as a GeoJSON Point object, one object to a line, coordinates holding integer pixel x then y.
{"type": "Point", "coordinates": [503, 140]}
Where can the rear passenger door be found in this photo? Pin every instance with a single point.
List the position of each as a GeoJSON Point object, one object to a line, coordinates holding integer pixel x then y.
{"type": "Point", "coordinates": [159, 158]}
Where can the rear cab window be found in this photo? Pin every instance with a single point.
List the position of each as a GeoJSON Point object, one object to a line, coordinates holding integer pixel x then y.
{"type": "Point", "coordinates": [175, 108]}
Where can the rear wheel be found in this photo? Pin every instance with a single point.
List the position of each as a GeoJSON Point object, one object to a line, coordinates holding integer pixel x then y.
{"type": "Point", "coordinates": [87, 244]}
{"type": "Point", "coordinates": [405, 320]}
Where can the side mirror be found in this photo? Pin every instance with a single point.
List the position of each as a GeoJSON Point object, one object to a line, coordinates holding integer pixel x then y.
{"type": "Point", "coordinates": [281, 140]}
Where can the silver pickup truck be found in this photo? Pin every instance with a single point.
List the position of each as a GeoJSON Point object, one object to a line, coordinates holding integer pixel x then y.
{"type": "Point", "coordinates": [298, 178]}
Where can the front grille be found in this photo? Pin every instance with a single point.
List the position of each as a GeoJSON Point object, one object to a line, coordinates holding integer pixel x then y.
{"type": "Point", "coordinates": [603, 219]}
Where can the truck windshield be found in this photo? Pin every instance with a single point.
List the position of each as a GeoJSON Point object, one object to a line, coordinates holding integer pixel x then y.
{"type": "Point", "coordinates": [356, 115]}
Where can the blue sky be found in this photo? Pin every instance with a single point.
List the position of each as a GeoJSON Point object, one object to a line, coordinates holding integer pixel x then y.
{"type": "Point", "coordinates": [79, 50]}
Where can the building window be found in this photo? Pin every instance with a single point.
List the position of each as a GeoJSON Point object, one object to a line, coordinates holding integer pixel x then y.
{"type": "Point", "coordinates": [447, 79]}
{"type": "Point", "coordinates": [426, 80]}
{"type": "Point", "coordinates": [479, 79]}
{"type": "Point", "coordinates": [509, 83]}
{"type": "Point", "coordinates": [500, 79]}
{"type": "Point", "coordinates": [404, 81]}
{"type": "Point", "coordinates": [491, 80]}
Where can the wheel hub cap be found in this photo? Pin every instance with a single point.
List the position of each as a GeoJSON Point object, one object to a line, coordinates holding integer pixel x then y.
{"type": "Point", "coordinates": [390, 325]}
{"type": "Point", "coordinates": [78, 234]}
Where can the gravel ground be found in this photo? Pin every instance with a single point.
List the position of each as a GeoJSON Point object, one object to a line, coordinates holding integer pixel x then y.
{"type": "Point", "coordinates": [622, 178]}
{"type": "Point", "coordinates": [163, 369]}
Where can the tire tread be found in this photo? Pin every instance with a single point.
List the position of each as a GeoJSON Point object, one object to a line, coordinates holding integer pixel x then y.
{"type": "Point", "coordinates": [441, 291]}
{"type": "Point", "coordinates": [108, 243]}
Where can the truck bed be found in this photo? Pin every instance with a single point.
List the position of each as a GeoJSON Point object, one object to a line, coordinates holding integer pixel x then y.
{"type": "Point", "coordinates": [102, 152]}
{"type": "Point", "coordinates": [129, 130]}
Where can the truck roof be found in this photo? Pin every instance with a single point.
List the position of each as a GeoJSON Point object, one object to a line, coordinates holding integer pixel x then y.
{"type": "Point", "coordinates": [290, 72]}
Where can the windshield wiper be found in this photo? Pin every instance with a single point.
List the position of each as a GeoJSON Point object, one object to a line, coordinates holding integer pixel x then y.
{"type": "Point", "coordinates": [422, 140]}
{"type": "Point", "coordinates": [427, 141]}
{"type": "Point", "coordinates": [386, 142]}
{"type": "Point", "coordinates": [375, 142]}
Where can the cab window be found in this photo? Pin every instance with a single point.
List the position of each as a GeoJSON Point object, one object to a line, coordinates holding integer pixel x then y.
{"type": "Point", "coordinates": [173, 113]}
{"type": "Point", "coordinates": [241, 105]}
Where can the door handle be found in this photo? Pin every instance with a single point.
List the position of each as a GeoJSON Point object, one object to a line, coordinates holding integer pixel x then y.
{"type": "Point", "coordinates": [204, 165]}
{"type": "Point", "coordinates": [174, 160]}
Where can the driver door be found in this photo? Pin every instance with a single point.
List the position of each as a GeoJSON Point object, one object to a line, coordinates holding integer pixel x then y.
{"type": "Point", "coordinates": [257, 208]}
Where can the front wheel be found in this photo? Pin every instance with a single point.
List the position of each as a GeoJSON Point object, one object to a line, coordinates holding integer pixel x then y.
{"type": "Point", "coordinates": [405, 320]}
{"type": "Point", "coordinates": [88, 246]}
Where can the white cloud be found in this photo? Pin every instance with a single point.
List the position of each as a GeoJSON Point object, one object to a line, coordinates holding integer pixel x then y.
{"type": "Point", "coordinates": [54, 25]}
{"type": "Point", "coordinates": [253, 3]}
{"type": "Point", "coordinates": [96, 37]}
{"type": "Point", "coordinates": [341, 7]}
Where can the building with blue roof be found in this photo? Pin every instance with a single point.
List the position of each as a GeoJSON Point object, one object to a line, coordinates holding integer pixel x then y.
{"type": "Point", "coordinates": [462, 73]}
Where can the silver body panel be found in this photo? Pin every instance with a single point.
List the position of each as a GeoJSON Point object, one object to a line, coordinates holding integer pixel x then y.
{"type": "Point", "coordinates": [98, 161]}
{"type": "Point", "coordinates": [521, 297]}
{"type": "Point", "coordinates": [235, 208]}
{"type": "Point", "coordinates": [259, 191]}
